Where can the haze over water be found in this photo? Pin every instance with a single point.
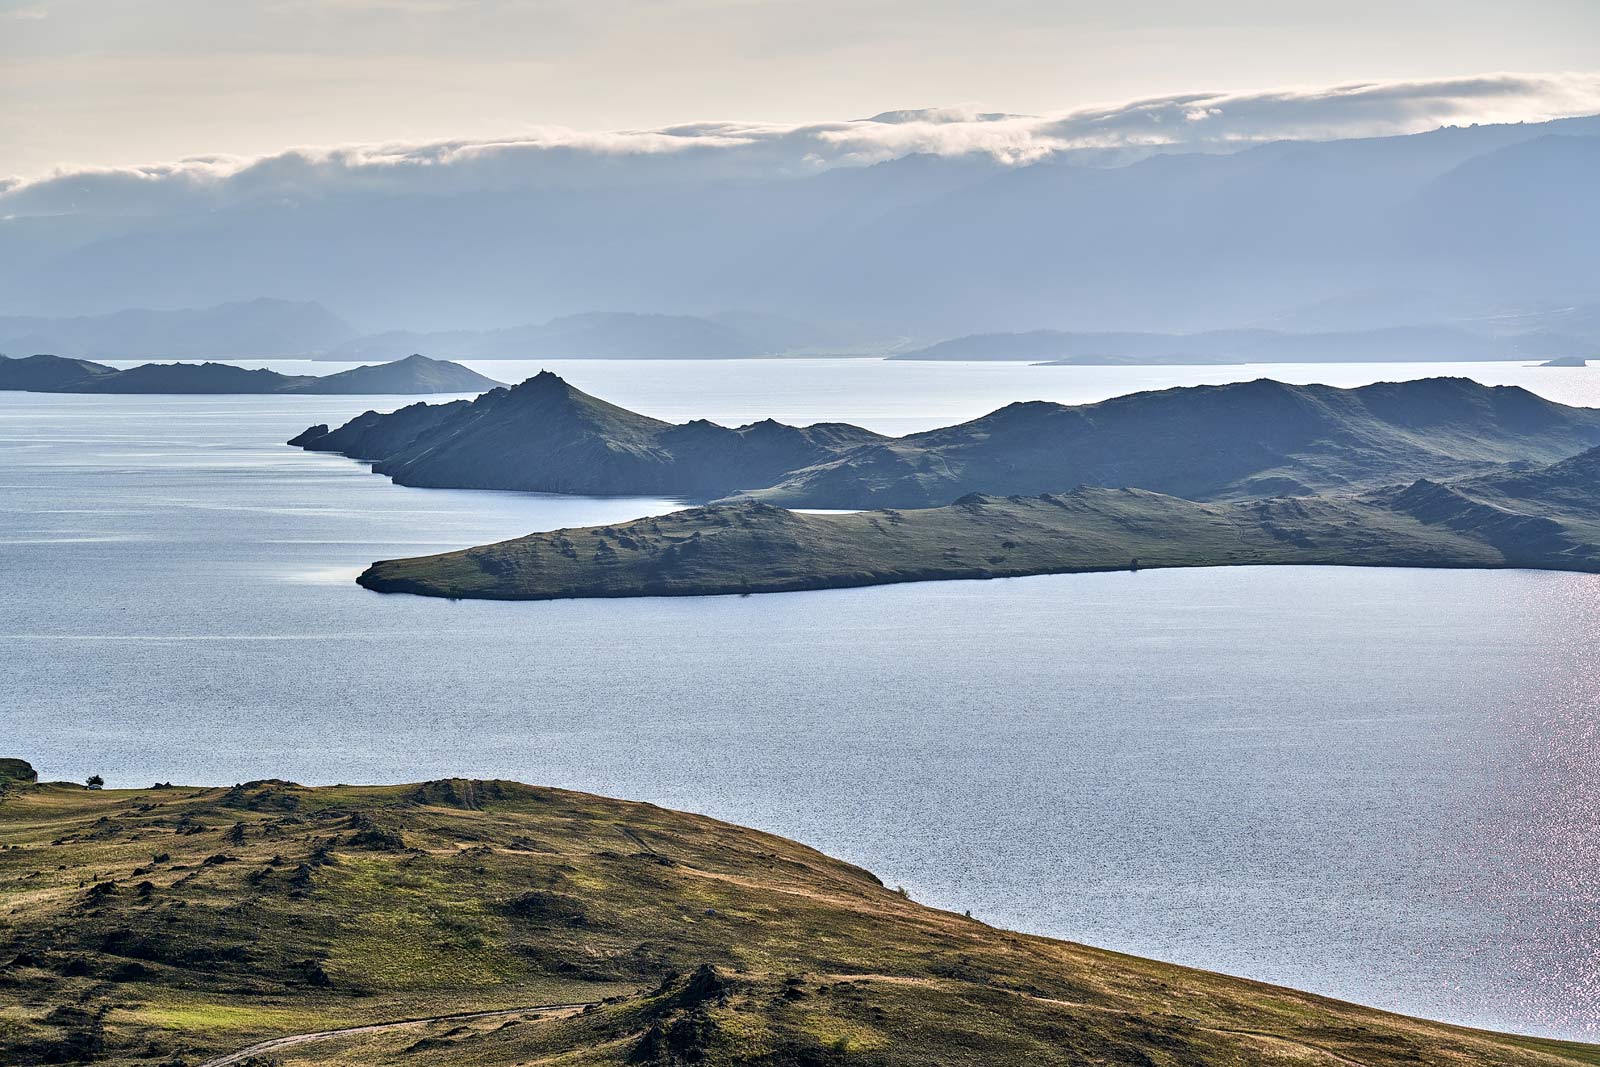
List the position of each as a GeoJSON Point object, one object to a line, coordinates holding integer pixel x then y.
{"type": "Point", "coordinates": [1373, 784]}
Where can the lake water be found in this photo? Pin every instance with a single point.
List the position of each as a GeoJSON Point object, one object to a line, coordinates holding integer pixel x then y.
{"type": "Point", "coordinates": [1377, 784]}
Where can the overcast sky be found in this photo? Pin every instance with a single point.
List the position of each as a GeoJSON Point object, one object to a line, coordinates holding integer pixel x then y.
{"type": "Point", "coordinates": [105, 82]}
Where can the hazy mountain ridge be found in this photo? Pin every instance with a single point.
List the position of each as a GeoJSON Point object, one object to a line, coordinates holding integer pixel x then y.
{"type": "Point", "coordinates": [252, 329]}
{"type": "Point", "coordinates": [1246, 440]}
{"type": "Point", "coordinates": [545, 436]}
{"type": "Point", "coordinates": [412, 375]}
{"type": "Point", "coordinates": [602, 335]}
{"type": "Point", "coordinates": [262, 328]}
{"type": "Point", "coordinates": [1389, 344]}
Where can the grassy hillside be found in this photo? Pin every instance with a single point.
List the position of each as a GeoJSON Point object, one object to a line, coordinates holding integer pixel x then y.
{"type": "Point", "coordinates": [173, 925]}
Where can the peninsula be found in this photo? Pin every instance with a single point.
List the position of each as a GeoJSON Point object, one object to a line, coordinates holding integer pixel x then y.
{"type": "Point", "coordinates": [1545, 518]}
{"type": "Point", "coordinates": [413, 375]}
{"type": "Point", "coordinates": [489, 923]}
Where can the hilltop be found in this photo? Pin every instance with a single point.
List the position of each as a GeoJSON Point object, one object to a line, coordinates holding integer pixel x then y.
{"type": "Point", "coordinates": [51, 374]}
{"type": "Point", "coordinates": [546, 436]}
{"type": "Point", "coordinates": [520, 924]}
{"type": "Point", "coordinates": [1222, 442]}
{"type": "Point", "coordinates": [412, 375]}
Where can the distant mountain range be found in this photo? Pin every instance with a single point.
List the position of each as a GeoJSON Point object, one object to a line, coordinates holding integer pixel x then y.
{"type": "Point", "coordinates": [251, 329]}
{"type": "Point", "coordinates": [1464, 227]}
{"type": "Point", "coordinates": [413, 375]}
{"type": "Point", "coordinates": [1391, 344]}
{"type": "Point", "coordinates": [606, 335]}
{"type": "Point", "coordinates": [1227, 442]}
{"type": "Point", "coordinates": [261, 328]}
{"type": "Point", "coordinates": [276, 328]}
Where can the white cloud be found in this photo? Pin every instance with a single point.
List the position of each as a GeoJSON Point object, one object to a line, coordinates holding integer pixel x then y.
{"type": "Point", "coordinates": [555, 155]}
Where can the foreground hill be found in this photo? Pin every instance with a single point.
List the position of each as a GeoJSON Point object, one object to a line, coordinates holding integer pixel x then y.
{"type": "Point", "coordinates": [515, 924]}
{"type": "Point", "coordinates": [1241, 441]}
{"type": "Point", "coordinates": [1548, 518]}
{"type": "Point", "coordinates": [412, 375]}
{"type": "Point", "coordinates": [546, 436]}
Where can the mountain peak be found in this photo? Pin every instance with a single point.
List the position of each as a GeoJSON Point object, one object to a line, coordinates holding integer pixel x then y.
{"type": "Point", "coordinates": [545, 383]}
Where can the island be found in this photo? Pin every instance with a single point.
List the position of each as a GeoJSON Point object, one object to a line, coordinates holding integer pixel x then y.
{"type": "Point", "coordinates": [410, 376]}
{"type": "Point", "coordinates": [1210, 443]}
{"type": "Point", "coordinates": [494, 924]}
{"type": "Point", "coordinates": [1566, 361]}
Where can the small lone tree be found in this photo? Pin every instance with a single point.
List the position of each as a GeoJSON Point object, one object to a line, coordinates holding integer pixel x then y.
{"type": "Point", "coordinates": [94, 781]}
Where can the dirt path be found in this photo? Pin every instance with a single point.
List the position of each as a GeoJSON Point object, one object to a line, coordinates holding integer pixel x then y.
{"type": "Point", "coordinates": [278, 1044]}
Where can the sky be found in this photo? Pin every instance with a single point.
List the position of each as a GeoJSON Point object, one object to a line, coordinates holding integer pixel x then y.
{"type": "Point", "coordinates": [101, 83]}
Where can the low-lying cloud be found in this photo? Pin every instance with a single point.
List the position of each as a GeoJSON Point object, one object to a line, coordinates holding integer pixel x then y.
{"type": "Point", "coordinates": [554, 156]}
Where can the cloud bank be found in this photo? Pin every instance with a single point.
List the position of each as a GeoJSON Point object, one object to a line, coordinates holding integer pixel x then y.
{"type": "Point", "coordinates": [552, 157]}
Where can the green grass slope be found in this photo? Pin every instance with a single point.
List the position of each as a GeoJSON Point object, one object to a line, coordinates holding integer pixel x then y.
{"type": "Point", "coordinates": [177, 925]}
{"type": "Point", "coordinates": [1546, 518]}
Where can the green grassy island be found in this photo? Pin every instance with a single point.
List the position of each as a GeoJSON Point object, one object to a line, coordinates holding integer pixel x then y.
{"type": "Point", "coordinates": [1547, 517]}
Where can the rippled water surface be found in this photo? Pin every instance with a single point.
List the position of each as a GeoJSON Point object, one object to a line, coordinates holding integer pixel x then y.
{"type": "Point", "coordinates": [1375, 784]}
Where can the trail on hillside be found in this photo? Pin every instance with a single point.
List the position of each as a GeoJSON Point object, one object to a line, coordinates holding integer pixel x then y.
{"type": "Point", "coordinates": [278, 1044]}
